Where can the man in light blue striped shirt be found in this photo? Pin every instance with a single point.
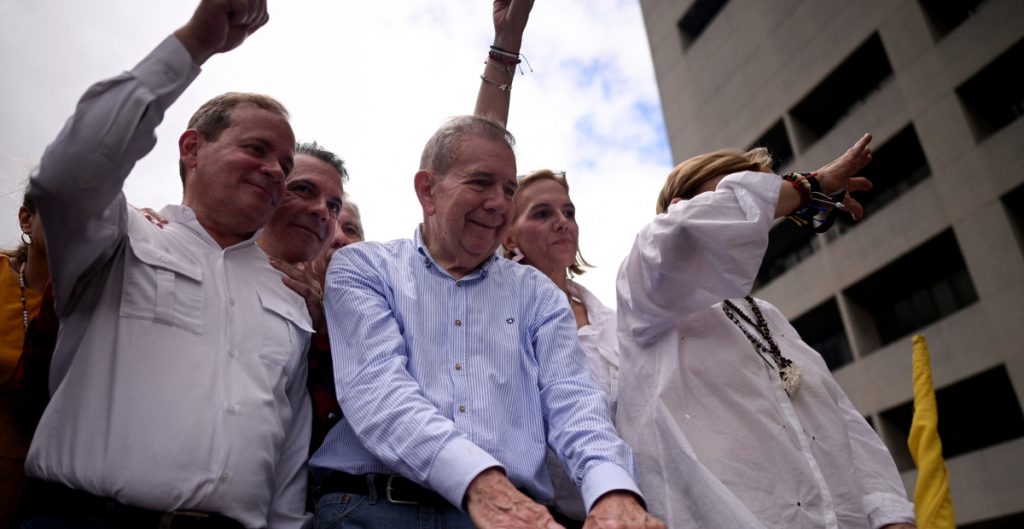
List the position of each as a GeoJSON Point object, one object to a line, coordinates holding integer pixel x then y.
{"type": "Point", "coordinates": [455, 368]}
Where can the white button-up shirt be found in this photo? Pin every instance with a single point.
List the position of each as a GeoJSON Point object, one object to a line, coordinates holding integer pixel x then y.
{"type": "Point", "coordinates": [718, 441]}
{"type": "Point", "coordinates": [178, 381]}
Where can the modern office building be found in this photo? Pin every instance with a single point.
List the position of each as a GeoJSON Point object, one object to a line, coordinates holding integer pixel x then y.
{"type": "Point", "coordinates": [940, 84]}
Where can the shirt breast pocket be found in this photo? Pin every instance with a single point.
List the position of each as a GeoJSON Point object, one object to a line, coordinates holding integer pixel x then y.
{"type": "Point", "coordinates": [163, 288]}
{"type": "Point", "coordinates": [284, 326]}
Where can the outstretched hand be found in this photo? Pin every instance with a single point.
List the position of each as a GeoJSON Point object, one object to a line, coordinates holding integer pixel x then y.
{"type": "Point", "coordinates": [510, 17]}
{"type": "Point", "coordinates": [839, 175]}
{"type": "Point", "coordinates": [218, 26]}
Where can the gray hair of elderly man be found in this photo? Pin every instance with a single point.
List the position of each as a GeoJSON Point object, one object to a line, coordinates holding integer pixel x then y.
{"type": "Point", "coordinates": [357, 218]}
{"type": "Point", "coordinates": [440, 150]}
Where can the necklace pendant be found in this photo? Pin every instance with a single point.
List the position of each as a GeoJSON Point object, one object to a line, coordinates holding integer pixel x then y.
{"type": "Point", "coordinates": [792, 375]}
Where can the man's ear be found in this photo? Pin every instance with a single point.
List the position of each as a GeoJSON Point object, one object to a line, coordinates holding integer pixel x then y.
{"type": "Point", "coordinates": [188, 149]}
{"type": "Point", "coordinates": [424, 184]}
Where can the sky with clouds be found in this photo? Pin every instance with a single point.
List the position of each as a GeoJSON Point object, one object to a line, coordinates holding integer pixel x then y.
{"type": "Point", "coordinates": [370, 81]}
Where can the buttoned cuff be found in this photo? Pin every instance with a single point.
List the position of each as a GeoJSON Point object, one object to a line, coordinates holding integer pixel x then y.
{"type": "Point", "coordinates": [605, 478]}
{"type": "Point", "coordinates": [168, 69]}
{"type": "Point", "coordinates": [885, 508]}
{"type": "Point", "coordinates": [455, 467]}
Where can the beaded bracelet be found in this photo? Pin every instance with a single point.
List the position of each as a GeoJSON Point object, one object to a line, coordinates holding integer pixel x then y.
{"type": "Point", "coordinates": [508, 58]}
{"type": "Point", "coordinates": [814, 203]}
{"type": "Point", "coordinates": [805, 184]}
{"type": "Point", "coordinates": [503, 59]}
{"type": "Point", "coordinates": [503, 51]}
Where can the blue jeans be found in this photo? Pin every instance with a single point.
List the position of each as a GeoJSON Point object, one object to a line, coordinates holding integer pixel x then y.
{"type": "Point", "coordinates": [352, 511]}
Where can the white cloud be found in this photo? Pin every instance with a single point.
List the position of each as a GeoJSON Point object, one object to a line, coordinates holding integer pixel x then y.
{"type": "Point", "coordinates": [371, 81]}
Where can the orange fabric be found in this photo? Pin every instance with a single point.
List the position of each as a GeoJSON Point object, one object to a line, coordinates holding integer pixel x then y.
{"type": "Point", "coordinates": [13, 442]}
{"type": "Point", "coordinates": [12, 325]}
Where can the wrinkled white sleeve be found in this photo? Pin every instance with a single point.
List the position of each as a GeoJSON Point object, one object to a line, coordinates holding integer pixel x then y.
{"type": "Point", "coordinates": [77, 186]}
{"type": "Point", "coordinates": [288, 508]}
{"type": "Point", "coordinates": [885, 499]}
{"type": "Point", "coordinates": [698, 253]}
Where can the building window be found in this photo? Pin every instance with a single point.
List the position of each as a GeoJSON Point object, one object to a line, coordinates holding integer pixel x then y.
{"type": "Point", "coordinates": [697, 18]}
{"type": "Point", "coordinates": [777, 143]}
{"type": "Point", "coordinates": [860, 74]}
{"type": "Point", "coordinates": [788, 244]}
{"type": "Point", "coordinates": [1011, 521]}
{"type": "Point", "coordinates": [923, 286]}
{"type": "Point", "coordinates": [822, 329]}
{"type": "Point", "coordinates": [895, 168]}
{"type": "Point", "coordinates": [994, 97]}
{"type": "Point", "coordinates": [974, 413]}
{"type": "Point", "coordinates": [945, 15]}
{"type": "Point", "coordinates": [1014, 204]}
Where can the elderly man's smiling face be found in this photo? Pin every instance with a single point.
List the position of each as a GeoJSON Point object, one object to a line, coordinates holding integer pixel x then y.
{"type": "Point", "coordinates": [468, 209]}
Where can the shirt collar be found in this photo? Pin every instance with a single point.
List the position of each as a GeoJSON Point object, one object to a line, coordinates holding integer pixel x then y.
{"type": "Point", "coordinates": [597, 312]}
{"type": "Point", "coordinates": [185, 216]}
{"type": "Point", "coordinates": [480, 271]}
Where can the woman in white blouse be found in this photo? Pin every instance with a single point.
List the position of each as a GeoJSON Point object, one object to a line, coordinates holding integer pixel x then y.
{"type": "Point", "coordinates": [545, 235]}
{"type": "Point", "coordinates": [734, 420]}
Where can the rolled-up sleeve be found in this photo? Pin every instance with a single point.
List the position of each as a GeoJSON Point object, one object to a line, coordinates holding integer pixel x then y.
{"type": "Point", "coordinates": [701, 251]}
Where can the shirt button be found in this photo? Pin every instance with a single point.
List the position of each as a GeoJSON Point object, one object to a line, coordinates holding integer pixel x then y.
{"type": "Point", "coordinates": [462, 409]}
{"type": "Point", "coordinates": [224, 477]}
{"type": "Point", "coordinates": [458, 323]}
{"type": "Point", "coordinates": [232, 353]}
{"type": "Point", "coordinates": [458, 367]}
{"type": "Point", "coordinates": [232, 410]}
{"type": "Point", "coordinates": [458, 284]}
{"type": "Point", "coordinates": [231, 301]}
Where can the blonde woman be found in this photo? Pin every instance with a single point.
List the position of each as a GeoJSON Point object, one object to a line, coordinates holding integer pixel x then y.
{"type": "Point", "coordinates": [735, 421]}
{"type": "Point", "coordinates": [545, 235]}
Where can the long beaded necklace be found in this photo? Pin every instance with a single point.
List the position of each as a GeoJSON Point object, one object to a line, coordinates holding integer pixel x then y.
{"type": "Point", "coordinates": [790, 373]}
{"type": "Point", "coordinates": [21, 283]}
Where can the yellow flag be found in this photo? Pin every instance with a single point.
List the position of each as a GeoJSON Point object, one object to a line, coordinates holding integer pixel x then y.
{"type": "Point", "coordinates": [931, 496]}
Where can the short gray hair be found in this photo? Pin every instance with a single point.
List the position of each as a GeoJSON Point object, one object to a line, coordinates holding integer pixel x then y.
{"type": "Point", "coordinates": [317, 151]}
{"type": "Point", "coordinates": [356, 216]}
{"type": "Point", "coordinates": [439, 152]}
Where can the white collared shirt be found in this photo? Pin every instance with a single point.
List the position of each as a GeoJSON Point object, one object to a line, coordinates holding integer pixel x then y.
{"type": "Point", "coordinates": [600, 342]}
{"type": "Point", "coordinates": [718, 441]}
{"type": "Point", "coordinates": [179, 376]}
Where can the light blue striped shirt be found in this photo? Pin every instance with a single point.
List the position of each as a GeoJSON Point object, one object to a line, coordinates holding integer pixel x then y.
{"type": "Point", "coordinates": [441, 378]}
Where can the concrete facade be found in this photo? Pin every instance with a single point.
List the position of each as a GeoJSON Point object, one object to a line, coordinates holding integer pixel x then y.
{"type": "Point", "coordinates": [753, 63]}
